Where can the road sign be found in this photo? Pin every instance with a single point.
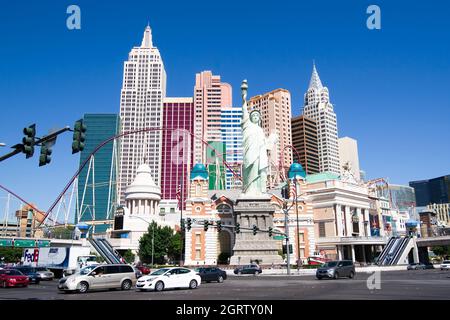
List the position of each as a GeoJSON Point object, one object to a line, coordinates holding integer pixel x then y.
{"type": "Point", "coordinates": [6, 243]}
{"type": "Point", "coordinates": [43, 243]}
{"type": "Point", "coordinates": [24, 243]}
{"type": "Point", "coordinates": [279, 237]}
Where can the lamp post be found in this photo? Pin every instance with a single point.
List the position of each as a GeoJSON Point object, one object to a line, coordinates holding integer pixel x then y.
{"type": "Point", "coordinates": [153, 234]}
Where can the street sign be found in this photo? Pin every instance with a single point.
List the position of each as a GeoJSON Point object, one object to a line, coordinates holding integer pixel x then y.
{"type": "Point", "coordinates": [43, 243]}
{"type": "Point", "coordinates": [279, 237]}
{"type": "Point", "coordinates": [6, 243]}
{"type": "Point", "coordinates": [24, 243]}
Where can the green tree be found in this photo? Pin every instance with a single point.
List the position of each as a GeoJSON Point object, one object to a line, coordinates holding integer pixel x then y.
{"type": "Point", "coordinates": [161, 237]}
{"type": "Point", "coordinates": [441, 250]}
{"type": "Point", "coordinates": [175, 247]}
{"type": "Point", "coordinates": [10, 255]}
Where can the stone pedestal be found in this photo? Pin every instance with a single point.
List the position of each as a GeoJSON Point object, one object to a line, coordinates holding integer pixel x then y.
{"type": "Point", "coordinates": [259, 248]}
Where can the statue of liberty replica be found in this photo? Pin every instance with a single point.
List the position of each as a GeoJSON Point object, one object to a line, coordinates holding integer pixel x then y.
{"type": "Point", "coordinates": [253, 207]}
{"type": "Point", "coordinates": [255, 146]}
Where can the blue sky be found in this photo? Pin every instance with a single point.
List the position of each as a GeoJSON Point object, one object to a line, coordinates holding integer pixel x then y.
{"type": "Point", "coordinates": [390, 87]}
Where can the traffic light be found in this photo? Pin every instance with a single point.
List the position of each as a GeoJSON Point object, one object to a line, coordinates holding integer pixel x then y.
{"type": "Point", "coordinates": [255, 229]}
{"type": "Point", "coordinates": [45, 156]}
{"type": "Point", "coordinates": [189, 224]}
{"type": "Point", "coordinates": [238, 227]}
{"type": "Point", "coordinates": [219, 226]}
{"type": "Point", "coordinates": [205, 225]}
{"type": "Point", "coordinates": [28, 140]}
{"type": "Point", "coordinates": [285, 192]}
{"type": "Point", "coordinates": [79, 136]}
{"type": "Point", "coordinates": [270, 231]}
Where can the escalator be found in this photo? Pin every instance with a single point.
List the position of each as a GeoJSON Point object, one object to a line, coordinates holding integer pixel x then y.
{"type": "Point", "coordinates": [395, 251]}
{"type": "Point", "coordinates": [106, 251]}
{"type": "Point", "coordinates": [385, 251]}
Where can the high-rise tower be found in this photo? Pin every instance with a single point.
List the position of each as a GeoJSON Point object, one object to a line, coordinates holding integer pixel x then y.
{"type": "Point", "coordinates": [141, 106]}
{"type": "Point", "coordinates": [211, 96]}
{"type": "Point", "coordinates": [318, 108]}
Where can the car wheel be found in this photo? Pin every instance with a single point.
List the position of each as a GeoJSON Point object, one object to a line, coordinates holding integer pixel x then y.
{"type": "Point", "coordinates": [320, 278]}
{"type": "Point", "coordinates": [193, 284]}
{"type": "Point", "coordinates": [4, 284]}
{"type": "Point", "coordinates": [351, 275]}
{"type": "Point", "coordinates": [126, 285]}
{"type": "Point", "coordinates": [239, 272]}
{"type": "Point", "coordinates": [159, 286]}
{"type": "Point", "coordinates": [220, 279]}
{"type": "Point", "coordinates": [336, 275]}
{"type": "Point", "coordinates": [256, 273]}
{"type": "Point", "coordinates": [84, 287]}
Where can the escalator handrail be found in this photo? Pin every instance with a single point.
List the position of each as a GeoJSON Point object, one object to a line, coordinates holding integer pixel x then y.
{"type": "Point", "coordinates": [385, 251]}
{"type": "Point", "coordinates": [101, 250]}
{"type": "Point", "coordinates": [402, 250]}
{"type": "Point", "coordinates": [111, 256]}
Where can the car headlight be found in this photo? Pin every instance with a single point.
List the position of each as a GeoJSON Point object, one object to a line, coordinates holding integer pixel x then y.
{"type": "Point", "coordinates": [330, 270]}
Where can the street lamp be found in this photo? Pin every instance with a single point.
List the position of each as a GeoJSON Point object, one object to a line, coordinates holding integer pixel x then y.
{"type": "Point", "coordinates": [153, 235]}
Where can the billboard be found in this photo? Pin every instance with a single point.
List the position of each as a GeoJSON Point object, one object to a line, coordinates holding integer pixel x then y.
{"type": "Point", "coordinates": [48, 257]}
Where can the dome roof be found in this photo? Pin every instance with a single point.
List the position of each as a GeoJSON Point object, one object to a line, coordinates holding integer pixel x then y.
{"type": "Point", "coordinates": [143, 187]}
{"type": "Point", "coordinates": [296, 170]}
{"type": "Point", "coordinates": [199, 172]}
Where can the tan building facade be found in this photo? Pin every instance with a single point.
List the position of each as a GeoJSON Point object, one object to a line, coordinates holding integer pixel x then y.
{"type": "Point", "coordinates": [304, 140]}
{"type": "Point", "coordinates": [275, 108]}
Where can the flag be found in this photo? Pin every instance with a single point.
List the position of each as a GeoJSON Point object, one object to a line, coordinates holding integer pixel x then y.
{"type": "Point", "coordinates": [292, 190]}
{"type": "Point", "coordinates": [179, 196]}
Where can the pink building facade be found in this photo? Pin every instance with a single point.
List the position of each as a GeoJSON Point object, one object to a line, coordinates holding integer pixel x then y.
{"type": "Point", "coordinates": [177, 151]}
{"type": "Point", "coordinates": [211, 96]}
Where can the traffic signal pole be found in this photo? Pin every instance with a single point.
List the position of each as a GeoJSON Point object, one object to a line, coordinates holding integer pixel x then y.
{"type": "Point", "coordinates": [19, 147]}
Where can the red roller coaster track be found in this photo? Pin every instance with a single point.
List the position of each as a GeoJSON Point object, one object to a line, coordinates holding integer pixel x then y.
{"type": "Point", "coordinates": [102, 144]}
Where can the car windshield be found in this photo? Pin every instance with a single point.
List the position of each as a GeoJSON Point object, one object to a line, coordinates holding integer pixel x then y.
{"type": "Point", "coordinates": [160, 272]}
{"type": "Point", "coordinates": [446, 261]}
{"type": "Point", "coordinates": [86, 270]}
{"type": "Point", "coordinates": [13, 272]}
{"type": "Point", "coordinates": [330, 264]}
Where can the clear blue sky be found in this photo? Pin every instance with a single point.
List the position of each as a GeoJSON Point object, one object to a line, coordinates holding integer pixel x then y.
{"type": "Point", "coordinates": [390, 88]}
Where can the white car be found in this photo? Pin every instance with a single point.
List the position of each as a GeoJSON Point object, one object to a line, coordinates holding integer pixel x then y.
{"type": "Point", "coordinates": [445, 265]}
{"type": "Point", "coordinates": [167, 278]}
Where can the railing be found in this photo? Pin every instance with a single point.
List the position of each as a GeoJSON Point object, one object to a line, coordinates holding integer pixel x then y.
{"type": "Point", "coordinates": [356, 239]}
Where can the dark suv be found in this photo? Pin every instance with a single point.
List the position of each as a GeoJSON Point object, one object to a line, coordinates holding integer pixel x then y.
{"type": "Point", "coordinates": [336, 269]}
{"type": "Point", "coordinates": [248, 269]}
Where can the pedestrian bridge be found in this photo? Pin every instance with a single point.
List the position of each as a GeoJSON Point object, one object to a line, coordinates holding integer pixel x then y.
{"type": "Point", "coordinates": [433, 241]}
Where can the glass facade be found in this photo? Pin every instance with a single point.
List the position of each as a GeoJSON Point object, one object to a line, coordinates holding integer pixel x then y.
{"type": "Point", "coordinates": [177, 146]}
{"type": "Point", "coordinates": [231, 134]}
{"type": "Point", "coordinates": [431, 191]}
{"type": "Point", "coordinates": [100, 183]}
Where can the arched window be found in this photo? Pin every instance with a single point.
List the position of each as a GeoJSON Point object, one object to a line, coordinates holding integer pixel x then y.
{"type": "Point", "coordinates": [224, 209]}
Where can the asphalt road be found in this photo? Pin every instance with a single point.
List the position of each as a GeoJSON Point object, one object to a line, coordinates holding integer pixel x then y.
{"type": "Point", "coordinates": [419, 284]}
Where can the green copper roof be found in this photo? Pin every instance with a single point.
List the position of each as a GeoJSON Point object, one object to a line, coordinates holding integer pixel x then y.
{"type": "Point", "coordinates": [323, 176]}
{"type": "Point", "coordinates": [199, 171]}
{"type": "Point", "coordinates": [296, 170]}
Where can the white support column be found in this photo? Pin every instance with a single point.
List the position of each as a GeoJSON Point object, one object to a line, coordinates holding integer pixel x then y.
{"type": "Point", "coordinates": [339, 221]}
{"type": "Point", "coordinates": [360, 222]}
{"type": "Point", "coordinates": [348, 222]}
{"type": "Point", "coordinates": [339, 250]}
{"type": "Point", "coordinates": [367, 218]}
{"type": "Point", "coordinates": [353, 253]}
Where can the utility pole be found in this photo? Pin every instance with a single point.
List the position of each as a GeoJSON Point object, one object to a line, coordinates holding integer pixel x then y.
{"type": "Point", "coordinates": [286, 230]}
{"type": "Point", "coordinates": [298, 227]}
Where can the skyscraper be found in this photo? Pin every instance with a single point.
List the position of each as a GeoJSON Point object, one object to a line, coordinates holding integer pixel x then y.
{"type": "Point", "coordinates": [275, 108]}
{"type": "Point", "coordinates": [97, 189]}
{"type": "Point", "coordinates": [304, 140]}
{"type": "Point", "coordinates": [141, 105]}
{"type": "Point", "coordinates": [348, 153]}
{"type": "Point", "coordinates": [431, 191]}
{"type": "Point", "coordinates": [211, 96]}
{"type": "Point", "coordinates": [318, 108]}
{"type": "Point", "coordinates": [177, 151]}
{"type": "Point", "coordinates": [232, 138]}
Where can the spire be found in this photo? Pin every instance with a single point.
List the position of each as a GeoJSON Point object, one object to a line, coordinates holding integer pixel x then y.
{"type": "Point", "coordinates": [315, 80]}
{"type": "Point", "coordinates": [147, 39]}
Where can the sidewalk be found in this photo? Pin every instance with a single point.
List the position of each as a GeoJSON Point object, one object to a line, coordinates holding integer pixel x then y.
{"type": "Point", "coordinates": [309, 272]}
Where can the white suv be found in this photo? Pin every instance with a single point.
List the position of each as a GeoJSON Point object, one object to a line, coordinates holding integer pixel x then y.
{"type": "Point", "coordinates": [445, 265]}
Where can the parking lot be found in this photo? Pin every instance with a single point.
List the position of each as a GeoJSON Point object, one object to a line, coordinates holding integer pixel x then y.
{"type": "Point", "coordinates": [419, 284]}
